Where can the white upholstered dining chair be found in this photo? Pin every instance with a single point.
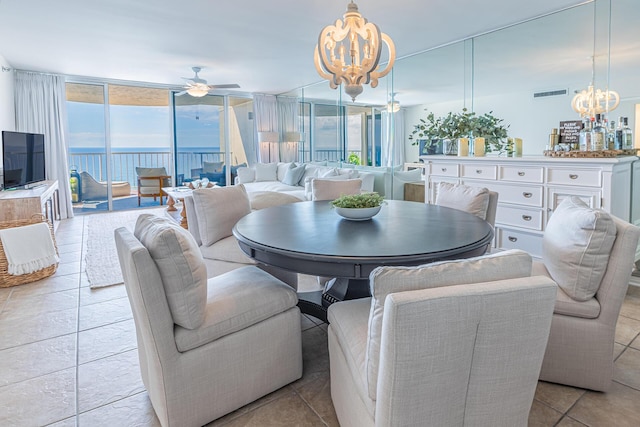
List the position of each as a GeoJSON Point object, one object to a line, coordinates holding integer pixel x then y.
{"type": "Point", "coordinates": [330, 189]}
{"type": "Point", "coordinates": [481, 202]}
{"type": "Point", "coordinates": [454, 343]}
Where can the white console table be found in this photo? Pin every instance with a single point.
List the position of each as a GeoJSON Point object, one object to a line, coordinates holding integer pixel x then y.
{"type": "Point", "coordinates": [531, 187]}
{"type": "Point", "coordinates": [23, 204]}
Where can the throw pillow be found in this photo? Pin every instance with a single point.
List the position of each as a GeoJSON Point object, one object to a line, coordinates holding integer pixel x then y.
{"type": "Point", "coordinates": [310, 171]}
{"type": "Point", "coordinates": [266, 172]}
{"type": "Point", "coordinates": [576, 246]}
{"type": "Point", "coordinates": [181, 266]}
{"type": "Point", "coordinates": [218, 209]}
{"type": "Point", "coordinates": [330, 189]}
{"type": "Point", "coordinates": [246, 174]}
{"type": "Point", "coordinates": [211, 167]}
{"type": "Point", "coordinates": [327, 172]}
{"type": "Point", "coordinates": [282, 170]}
{"type": "Point", "coordinates": [387, 280]}
{"type": "Point", "coordinates": [462, 197]}
{"type": "Point", "coordinates": [401, 178]}
{"type": "Point", "coordinates": [294, 175]}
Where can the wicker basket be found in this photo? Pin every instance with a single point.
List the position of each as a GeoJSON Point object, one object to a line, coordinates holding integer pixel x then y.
{"type": "Point", "coordinates": [6, 279]}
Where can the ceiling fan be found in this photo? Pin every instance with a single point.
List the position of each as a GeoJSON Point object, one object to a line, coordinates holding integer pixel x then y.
{"type": "Point", "coordinates": [198, 87]}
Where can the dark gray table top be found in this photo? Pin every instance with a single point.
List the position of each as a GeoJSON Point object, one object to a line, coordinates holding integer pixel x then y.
{"type": "Point", "coordinates": [310, 237]}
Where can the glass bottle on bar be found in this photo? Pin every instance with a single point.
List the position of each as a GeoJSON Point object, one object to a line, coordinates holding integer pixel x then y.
{"type": "Point", "coordinates": [585, 135]}
{"type": "Point", "coordinates": [599, 134]}
{"type": "Point", "coordinates": [611, 135]}
{"type": "Point", "coordinates": [619, 133]}
{"type": "Point", "coordinates": [627, 135]}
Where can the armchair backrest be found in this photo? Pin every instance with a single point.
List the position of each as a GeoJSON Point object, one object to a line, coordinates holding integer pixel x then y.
{"type": "Point", "coordinates": [615, 281]}
{"type": "Point", "coordinates": [154, 173]}
{"type": "Point", "coordinates": [465, 354]}
{"type": "Point", "coordinates": [330, 189]}
{"type": "Point", "coordinates": [481, 202]}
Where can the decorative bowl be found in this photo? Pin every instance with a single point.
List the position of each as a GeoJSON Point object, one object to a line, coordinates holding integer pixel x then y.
{"type": "Point", "coordinates": [357, 214]}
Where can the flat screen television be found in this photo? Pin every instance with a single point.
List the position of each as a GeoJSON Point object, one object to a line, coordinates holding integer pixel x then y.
{"type": "Point", "coordinates": [22, 158]}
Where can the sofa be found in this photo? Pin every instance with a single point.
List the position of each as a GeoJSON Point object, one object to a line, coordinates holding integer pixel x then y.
{"type": "Point", "coordinates": [295, 178]}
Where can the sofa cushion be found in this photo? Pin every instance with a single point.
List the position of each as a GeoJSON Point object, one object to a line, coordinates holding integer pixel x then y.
{"type": "Point", "coordinates": [310, 171]}
{"type": "Point", "coordinates": [329, 189]}
{"type": "Point", "coordinates": [246, 175]}
{"type": "Point", "coordinates": [235, 301]}
{"type": "Point", "coordinates": [226, 249]}
{"type": "Point", "coordinates": [387, 280]}
{"type": "Point", "coordinates": [282, 170]}
{"type": "Point", "coordinates": [182, 269]}
{"type": "Point", "coordinates": [266, 171]}
{"type": "Point", "coordinates": [267, 199]}
{"type": "Point", "coordinates": [218, 209]}
{"type": "Point", "coordinates": [212, 167]}
{"type": "Point", "coordinates": [576, 246]}
{"type": "Point", "coordinates": [293, 175]}
{"type": "Point", "coordinates": [474, 200]}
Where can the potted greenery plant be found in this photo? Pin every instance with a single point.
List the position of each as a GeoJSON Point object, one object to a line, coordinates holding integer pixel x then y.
{"type": "Point", "coordinates": [358, 207]}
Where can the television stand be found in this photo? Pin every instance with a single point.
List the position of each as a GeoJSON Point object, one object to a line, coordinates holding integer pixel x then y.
{"type": "Point", "coordinates": [41, 198]}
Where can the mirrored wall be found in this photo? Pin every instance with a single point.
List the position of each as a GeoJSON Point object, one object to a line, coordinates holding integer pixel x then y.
{"type": "Point", "coordinates": [526, 74]}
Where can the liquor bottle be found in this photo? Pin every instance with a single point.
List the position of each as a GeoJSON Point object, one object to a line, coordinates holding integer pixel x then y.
{"type": "Point", "coordinates": [611, 135]}
{"type": "Point", "coordinates": [585, 135]}
{"type": "Point", "coordinates": [619, 133]}
{"type": "Point", "coordinates": [598, 134]}
{"type": "Point", "coordinates": [627, 135]}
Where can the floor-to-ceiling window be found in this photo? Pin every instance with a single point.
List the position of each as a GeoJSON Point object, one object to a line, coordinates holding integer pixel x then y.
{"type": "Point", "coordinates": [114, 129]}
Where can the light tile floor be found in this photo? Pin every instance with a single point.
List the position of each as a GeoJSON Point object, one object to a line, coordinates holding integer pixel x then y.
{"type": "Point", "coordinates": [68, 357]}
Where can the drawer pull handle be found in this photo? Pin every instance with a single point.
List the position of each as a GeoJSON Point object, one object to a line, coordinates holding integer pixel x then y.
{"type": "Point", "coordinates": [478, 170]}
{"type": "Point", "coordinates": [526, 217]}
{"type": "Point", "coordinates": [527, 195]}
{"type": "Point", "coordinates": [520, 173]}
{"type": "Point", "coordinates": [444, 169]}
{"type": "Point", "coordinates": [513, 239]}
{"type": "Point", "coordinates": [573, 176]}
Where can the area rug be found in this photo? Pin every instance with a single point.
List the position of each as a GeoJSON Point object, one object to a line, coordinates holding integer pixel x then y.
{"type": "Point", "coordinates": [101, 259]}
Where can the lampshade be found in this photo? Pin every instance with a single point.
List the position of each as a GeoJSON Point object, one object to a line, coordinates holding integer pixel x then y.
{"type": "Point", "coordinates": [292, 137]}
{"type": "Point", "coordinates": [268, 136]}
{"type": "Point", "coordinates": [356, 63]}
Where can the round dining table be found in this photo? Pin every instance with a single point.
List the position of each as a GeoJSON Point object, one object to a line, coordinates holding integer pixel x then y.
{"type": "Point", "coordinates": [311, 238]}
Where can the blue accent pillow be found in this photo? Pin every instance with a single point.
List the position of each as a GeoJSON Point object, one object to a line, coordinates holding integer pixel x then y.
{"type": "Point", "coordinates": [294, 175]}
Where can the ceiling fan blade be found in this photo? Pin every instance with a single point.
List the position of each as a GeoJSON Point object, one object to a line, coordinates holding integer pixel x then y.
{"type": "Point", "coordinates": [227, 86]}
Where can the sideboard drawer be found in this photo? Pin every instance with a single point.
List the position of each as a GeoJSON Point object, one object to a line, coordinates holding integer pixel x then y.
{"type": "Point", "coordinates": [444, 169]}
{"type": "Point", "coordinates": [522, 194]}
{"type": "Point", "coordinates": [516, 239]}
{"type": "Point", "coordinates": [521, 174]}
{"type": "Point", "coordinates": [475, 171]}
{"type": "Point", "coordinates": [583, 177]}
{"type": "Point", "coordinates": [520, 217]}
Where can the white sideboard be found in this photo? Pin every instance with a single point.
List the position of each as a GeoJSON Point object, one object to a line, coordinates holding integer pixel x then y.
{"type": "Point", "coordinates": [531, 187]}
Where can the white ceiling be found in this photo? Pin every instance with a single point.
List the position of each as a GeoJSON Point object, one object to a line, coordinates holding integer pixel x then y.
{"type": "Point", "coordinates": [265, 46]}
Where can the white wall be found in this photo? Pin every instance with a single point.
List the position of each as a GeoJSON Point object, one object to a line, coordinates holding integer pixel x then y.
{"type": "Point", "coordinates": [7, 108]}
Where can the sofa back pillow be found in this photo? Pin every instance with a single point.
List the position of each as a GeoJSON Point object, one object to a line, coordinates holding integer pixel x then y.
{"type": "Point", "coordinates": [246, 174]}
{"type": "Point", "coordinates": [576, 245]}
{"type": "Point", "coordinates": [293, 175]}
{"type": "Point", "coordinates": [218, 209]}
{"type": "Point", "coordinates": [266, 172]}
{"type": "Point", "coordinates": [282, 170]}
{"type": "Point", "coordinates": [181, 266]}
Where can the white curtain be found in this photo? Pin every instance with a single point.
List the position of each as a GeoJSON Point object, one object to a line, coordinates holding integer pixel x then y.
{"type": "Point", "coordinates": [40, 101]}
{"type": "Point", "coordinates": [392, 138]}
{"type": "Point", "coordinates": [289, 128]}
{"type": "Point", "coordinates": [244, 118]}
{"type": "Point", "coordinates": [266, 117]}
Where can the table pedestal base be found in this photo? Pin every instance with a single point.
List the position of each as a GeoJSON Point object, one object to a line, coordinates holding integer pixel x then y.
{"type": "Point", "coordinates": [340, 289]}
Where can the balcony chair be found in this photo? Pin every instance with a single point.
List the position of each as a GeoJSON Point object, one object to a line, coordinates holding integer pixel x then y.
{"type": "Point", "coordinates": [454, 343]}
{"type": "Point", "coordinates": [590, 254]}
{"type": "Point", "coordinates": [206, 347]}
{"type": "Point", "coordinates": [97, 190]}
{"type": "Point", "coordinates": [151, 181]}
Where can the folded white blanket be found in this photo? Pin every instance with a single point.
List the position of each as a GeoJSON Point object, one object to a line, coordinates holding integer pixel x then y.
{"type": "Point", "coordinates": [29, 248]}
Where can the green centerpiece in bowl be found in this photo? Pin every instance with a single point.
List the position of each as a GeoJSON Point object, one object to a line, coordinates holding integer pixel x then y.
{"type": "Point", "coordinates": [358, 207]}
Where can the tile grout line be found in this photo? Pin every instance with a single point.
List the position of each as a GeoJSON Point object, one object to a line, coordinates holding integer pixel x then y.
{"type": "Point", "coordinates": [77, 394]}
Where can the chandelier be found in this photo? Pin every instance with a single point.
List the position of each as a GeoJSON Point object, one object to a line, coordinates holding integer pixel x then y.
{"type": "Point", "coordinates": [591, 101]}
{"type": "Point", "coordinates": [349, 52]}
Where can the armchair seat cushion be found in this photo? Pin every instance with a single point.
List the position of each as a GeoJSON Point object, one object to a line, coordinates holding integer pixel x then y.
{"type": "Point", "coordinates": [228, 250]}
{"type": "Point", "coordinates": [235, 301]}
